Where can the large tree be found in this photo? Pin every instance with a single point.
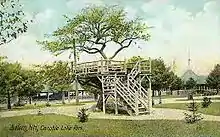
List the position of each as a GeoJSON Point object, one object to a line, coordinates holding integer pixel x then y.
{"type": "Point", "coordinates": [10, 80]}
{"type": "Point", "coordinates": [57, 77]}
{"type": "Point", "coordinates": [31, 83]}
{"type": "Point", "coordinates": [12, 22]}
{"type": "Point", "coordinates": [213, 79]}
{"type": "Point", "coordinates": [95, 28]}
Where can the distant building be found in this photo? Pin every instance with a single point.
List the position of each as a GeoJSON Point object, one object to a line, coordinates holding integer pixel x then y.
{"type": "Point", "coordinates": [200, 79]}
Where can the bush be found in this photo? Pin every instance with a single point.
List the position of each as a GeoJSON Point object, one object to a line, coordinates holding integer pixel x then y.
{"type": "Point", "coordinates": [48, 104]}
{"type": "Point", "coordinates": [82, 115]}
{"type": "Point", "coordinates": [206, 102]}
{"type": "Point", "coordinates": [193, 116]}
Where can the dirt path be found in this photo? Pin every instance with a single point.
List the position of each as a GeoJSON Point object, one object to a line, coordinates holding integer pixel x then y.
{"type": "Point", "coordinates": [157, 113]}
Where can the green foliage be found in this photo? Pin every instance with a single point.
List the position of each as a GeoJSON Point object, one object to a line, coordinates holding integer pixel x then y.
{"type": "Point", "coordinates": [57, 76]}
{"type": "Point", "coordinates": [12, 22]}
{"type": "Point", "coordinates": [213, 80]}
{"type": "Point", "coordinates": [82, 115]}
{"type": "Point", "coordinates": [190, 84]}
{"type": "Point", "coordinates": [193, 116]}
{"type": "Point", "coordinates": [97, 25]}
{"type": "Point", "coordinates": [14, 80]}
{"type": "Point", "coordinates": [31, 83]}
{"type": "Point", "coordinates": [206, 102]}
{"type": "Point", "coordinates": [10, 77]}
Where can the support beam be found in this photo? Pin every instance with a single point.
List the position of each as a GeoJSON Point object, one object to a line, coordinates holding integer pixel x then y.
{"type": "Point", "coordinates": [136, 102]}
{"type": "Point", "coordinates": [103, 95]}
{"type": "Point", "coordinates": [115, 91]}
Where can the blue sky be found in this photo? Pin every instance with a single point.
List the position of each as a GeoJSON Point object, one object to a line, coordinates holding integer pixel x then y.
{"type": "Point", "coordinates": [179, 24]}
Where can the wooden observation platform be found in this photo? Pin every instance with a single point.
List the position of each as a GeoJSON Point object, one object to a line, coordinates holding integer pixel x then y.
{"type": "Point", "coordinates": [123, 82]}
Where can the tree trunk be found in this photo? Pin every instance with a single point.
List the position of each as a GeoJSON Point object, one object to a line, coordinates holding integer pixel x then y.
{"type": "Point", "coordinates": [9, 101]}
{"type": "Point", "coordinates": [95, 96]}
{"type": "Point", "coordinates": [160, 100]}
{"type": "Point", "coordinates": [82, 94]}
{"type": "Point", "coordinates": [190, 95]}
{"type": "Point", "coordinates": [153, 93]}
{"type": "Point", "coordinates": [68, 97]}
{"type": "Point", "coordinates": [48, 97]}
{"type": "Point", "coordinates": [217, 91]}
{"type": "Point", "coordinates": [100, 102]}
{"type": "Point", "coordinates": [63, 97]}
{"type": "Point", "coordinates": [30, 99]}
{"type": "Point", "coordinates": [19, 100]}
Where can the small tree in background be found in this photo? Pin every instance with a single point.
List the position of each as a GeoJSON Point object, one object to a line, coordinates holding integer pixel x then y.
{"type": "Point", "coordinates": [193, 116]}
{"type": "Point", "coordinates": [190, 86]}
{"type": "Point", "coordinates": [213, 80]}
{"type": "Point", "coordinates": [82, 115]}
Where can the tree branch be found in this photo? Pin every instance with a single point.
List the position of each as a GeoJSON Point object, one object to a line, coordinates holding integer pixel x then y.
{"type": "Point", "coordinates": [121, 48]}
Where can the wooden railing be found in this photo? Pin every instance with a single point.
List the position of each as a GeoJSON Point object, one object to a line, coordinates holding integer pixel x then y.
{"type": "Point", "coordinates": [108, 66]}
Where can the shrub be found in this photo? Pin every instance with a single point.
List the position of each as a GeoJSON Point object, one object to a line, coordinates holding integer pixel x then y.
{"type": "Point", "coordinates": [82, 115]}
{"type": "Point", "coordinates": [193, 116]}
{"type": "Point", "coordinates": [48, 104]}
{"type": "Point", "coordinates": [206, 102]}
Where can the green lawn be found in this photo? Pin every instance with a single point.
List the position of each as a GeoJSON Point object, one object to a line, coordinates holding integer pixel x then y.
{"type": "Point", "coordinates": [104, 128]}
{"type": "Point", "coordinates": [32, 106]}
{"type": "Point", "coordinates": [213, 109]}
{"type": "Point", "coordinates": [174, 96]}
{"type": "Point", "coordinates": [168, 96]}
{"type": "Point", "coordinates": [200, 99]}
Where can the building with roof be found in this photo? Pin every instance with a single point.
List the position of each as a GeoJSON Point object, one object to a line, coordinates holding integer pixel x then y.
{"type": "Point", "coordinates": [200, 79]}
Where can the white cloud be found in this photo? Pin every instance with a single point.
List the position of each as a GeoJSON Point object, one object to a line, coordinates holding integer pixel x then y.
{"type": "Point", "coordinates": [75, 5]}
{"type": "Point", "coordinates": [176, 30]}
{"type": "Point", "coordinates": [131, 12]}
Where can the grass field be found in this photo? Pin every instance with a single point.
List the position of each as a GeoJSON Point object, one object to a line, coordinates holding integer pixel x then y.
{"type": "Point", "coordinates": [32, 106]}
{"type": "Point", "coordinates": [103, 128]}
{"type": "Point", "coordinates": [168, 96]}
{"type": "Point", "coordinates": [213, 109]}
{"type": "Point", "coordinates": [200, 99]}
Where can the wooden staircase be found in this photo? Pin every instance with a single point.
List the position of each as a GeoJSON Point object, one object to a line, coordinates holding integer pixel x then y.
{"type": "Point", "coordinates": [132, 92]}
{"type": "Point", "coordinates": [122, 81]}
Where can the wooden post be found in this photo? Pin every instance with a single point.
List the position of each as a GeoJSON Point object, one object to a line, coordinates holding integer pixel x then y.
{"type": "Point", "coordinates": [116, 101]}
{"type": "Point", "coordinates": [68, 96]}
{"type": "Point", "coordinates": [103, 95]}
{"type": "Point", "coordinates": [136, 102]}
{"type": "Point", "coordinates": [101, 65]}
{"type": "Point", "coordinates": [125, 66]}
{"type": "Point", "coordinates": [75, 65]}
{"type": "Point", "coordinates": [150, 98]}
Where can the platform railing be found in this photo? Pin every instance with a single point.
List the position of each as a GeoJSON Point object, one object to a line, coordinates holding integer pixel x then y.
{"type": "Point", "coordinates": [109, 66]}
